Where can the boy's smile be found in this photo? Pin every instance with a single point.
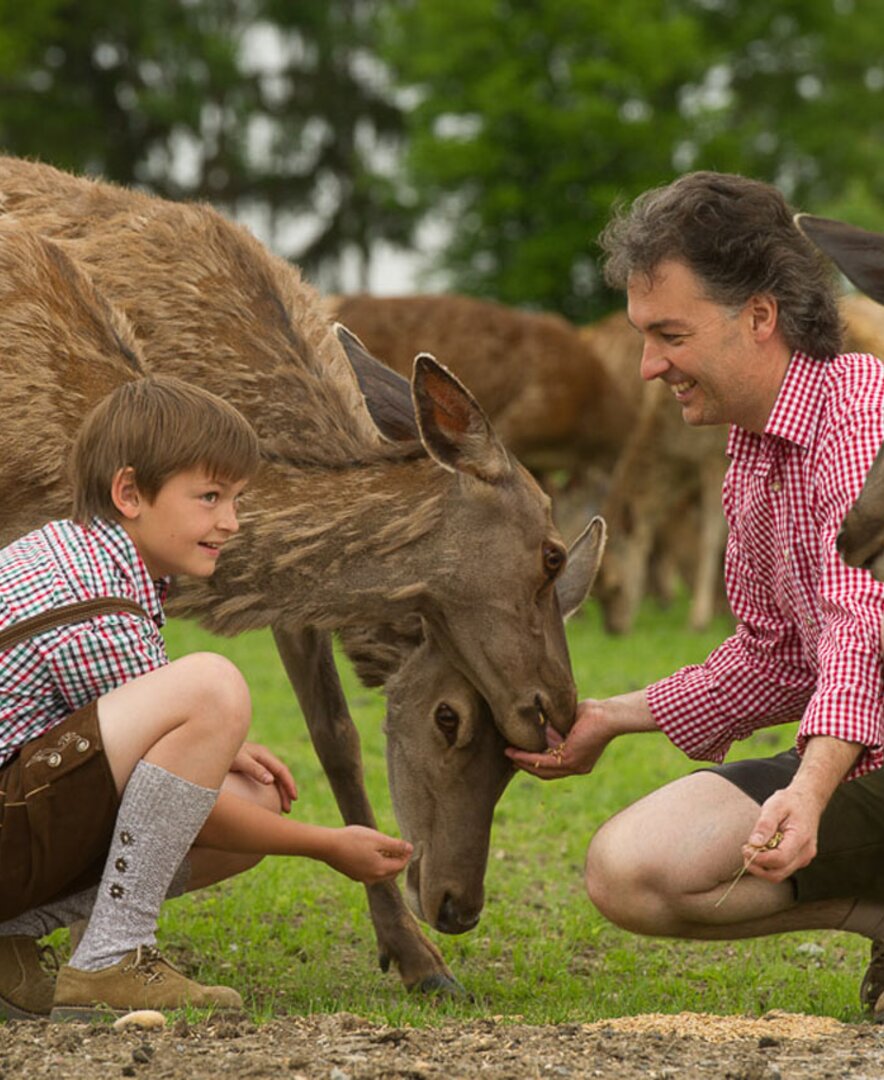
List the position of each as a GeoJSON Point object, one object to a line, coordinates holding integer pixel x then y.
{"type": "Point", "coordinates": [186, 526]}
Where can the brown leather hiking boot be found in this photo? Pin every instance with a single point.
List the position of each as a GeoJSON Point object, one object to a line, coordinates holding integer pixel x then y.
{"type": "Point", "coordinates": [141, 980]}
{"type": "Point", "coordinates": [872, 986]}
{"type": "Point", "coordinates": [25, 988]}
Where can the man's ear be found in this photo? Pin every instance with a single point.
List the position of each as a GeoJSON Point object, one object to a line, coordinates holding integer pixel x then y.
{"type": "Point", "coordinates": [763, 311]}
{"type": "Point", "coordinates": [125, 494]}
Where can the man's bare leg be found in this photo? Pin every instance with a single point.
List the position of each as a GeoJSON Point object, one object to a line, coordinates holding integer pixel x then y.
{"type": "Point", "coordinates": [662, 865]}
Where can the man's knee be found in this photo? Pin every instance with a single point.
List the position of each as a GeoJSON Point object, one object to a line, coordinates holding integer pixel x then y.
{"type": "Point", "coordinates": [610, 872]}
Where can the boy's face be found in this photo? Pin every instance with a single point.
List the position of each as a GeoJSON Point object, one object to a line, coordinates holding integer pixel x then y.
{"type": "Point", "coordinates": [184, 529]}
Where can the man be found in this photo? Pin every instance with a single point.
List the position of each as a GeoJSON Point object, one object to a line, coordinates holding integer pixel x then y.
{"type": "Point", "coordinates": [738, 317]}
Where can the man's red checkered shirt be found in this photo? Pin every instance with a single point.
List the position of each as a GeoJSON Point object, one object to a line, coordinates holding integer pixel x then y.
{"type": "Point", "coordinates": [808, 639]}
{"type": "Point", "coordinates": [45, 679]}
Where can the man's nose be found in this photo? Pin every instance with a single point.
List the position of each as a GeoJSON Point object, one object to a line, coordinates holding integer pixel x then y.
{"type": "Point", "coordinates": [654, 362]}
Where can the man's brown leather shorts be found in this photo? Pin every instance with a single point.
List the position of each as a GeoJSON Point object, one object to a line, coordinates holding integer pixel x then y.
{"type": "Point", "coordinates": [58, 804]}
{"type": "Point", "coordinates": [849, 863]}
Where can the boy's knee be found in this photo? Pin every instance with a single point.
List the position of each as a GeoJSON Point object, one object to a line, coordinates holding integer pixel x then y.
{"type": "Point", "coordinates": [217, 686]}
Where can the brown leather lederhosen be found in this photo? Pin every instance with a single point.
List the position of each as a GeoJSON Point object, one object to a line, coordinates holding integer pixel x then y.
{"type": "Point", "coordinates": [58, 800]}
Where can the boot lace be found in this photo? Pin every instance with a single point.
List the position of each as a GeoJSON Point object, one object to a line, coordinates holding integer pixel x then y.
{"type": "Point", "coordinates": [48, 959]}
{"type": "Point", "coordinates": [146, 964]}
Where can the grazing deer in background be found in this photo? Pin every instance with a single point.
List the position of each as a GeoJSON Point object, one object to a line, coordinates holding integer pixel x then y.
{"type": "Point", "coordinates": [859, 255]}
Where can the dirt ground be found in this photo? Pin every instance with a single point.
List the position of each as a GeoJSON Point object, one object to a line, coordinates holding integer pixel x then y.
{"type": "Point", "coordinates": [345, 1047]}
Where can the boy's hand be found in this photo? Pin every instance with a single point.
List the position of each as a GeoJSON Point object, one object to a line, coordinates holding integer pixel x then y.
{"type": "Point", "coordinates": [367, 855]}
{"type": "Point", "coordinates": [259, 763]}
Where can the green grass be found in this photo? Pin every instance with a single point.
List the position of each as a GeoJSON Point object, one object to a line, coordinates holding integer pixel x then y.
{"type": "Point", "coordinates": [295, 937]}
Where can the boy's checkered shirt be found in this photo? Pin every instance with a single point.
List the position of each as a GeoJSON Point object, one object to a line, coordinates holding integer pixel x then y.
{"type": "Point", "coordinates": [44, 679]}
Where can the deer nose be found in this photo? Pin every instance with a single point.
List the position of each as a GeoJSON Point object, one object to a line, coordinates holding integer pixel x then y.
{"type": "Point", "coordinates": [453, 919]}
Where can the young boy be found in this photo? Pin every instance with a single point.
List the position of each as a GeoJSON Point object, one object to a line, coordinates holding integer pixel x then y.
{"type": "Point", "coordinates": [125, 778]}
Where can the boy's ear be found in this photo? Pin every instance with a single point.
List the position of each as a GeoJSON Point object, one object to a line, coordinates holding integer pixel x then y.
{"type": "Point", "coordinates": [124, 493]}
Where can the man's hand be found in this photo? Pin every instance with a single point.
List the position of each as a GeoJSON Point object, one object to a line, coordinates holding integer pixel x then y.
{"type": "Point", "coordinates": [597, 723]}
{"type": "Point", "coordinates": [261, 764]}
{"type": "Point", "coordinates": [569, 756]}
{"type": "Point", "coordinates": [796, 818]}
{"type": "Point", "coordinates": [796, 810]}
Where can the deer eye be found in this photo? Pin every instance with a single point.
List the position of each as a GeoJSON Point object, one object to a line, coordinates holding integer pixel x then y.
{"type": "Point", "coordinates": [447, 721]}
{"type": "Point", "coordinates": [553, 560]}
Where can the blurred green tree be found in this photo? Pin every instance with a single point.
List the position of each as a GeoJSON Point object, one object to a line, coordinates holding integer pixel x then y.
{"type": "Point", "coordinates": [277, 111]}
{"type": "Point", "coordinates": [531, 119]}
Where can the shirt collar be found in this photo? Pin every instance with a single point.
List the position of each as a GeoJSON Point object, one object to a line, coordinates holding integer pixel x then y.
{"type": "Point", "coordinates": [151, 593]}
{"type": "Point", "coordinates": [796, 411]}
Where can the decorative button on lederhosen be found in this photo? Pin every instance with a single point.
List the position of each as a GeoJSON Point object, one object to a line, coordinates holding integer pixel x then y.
{"type": "Point", "coordinates": [121, 865]}
{"type": "Point", "coordinates": [126, 837]}
{"type": "Point", "coordinates": [54, 760]}
{"type": "Point", "coordinates": [82, 746]}
{"type": "Point", "coordinates": [116, 891]}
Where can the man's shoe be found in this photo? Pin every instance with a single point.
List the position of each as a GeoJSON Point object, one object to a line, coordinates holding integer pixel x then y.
{"type": "Point", "coordinates": [141, 980]}
{"type": "Point", "coordinates": [25, 988]}
{"type": "Point", "coordinates": [872, 986]}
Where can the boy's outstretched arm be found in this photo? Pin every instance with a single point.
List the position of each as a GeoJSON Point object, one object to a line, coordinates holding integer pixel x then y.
{"type": "Point", "coordinates": [363, 854]}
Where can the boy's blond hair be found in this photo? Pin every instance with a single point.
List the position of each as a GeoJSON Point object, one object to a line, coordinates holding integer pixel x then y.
{"type": "Point", "coordinates": [159, 426]}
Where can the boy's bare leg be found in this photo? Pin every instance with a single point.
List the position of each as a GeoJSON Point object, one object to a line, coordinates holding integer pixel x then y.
{"type": "Point", "coordinates": [660, 866]}
{"type": "Point", "coordinates": [169, 737]}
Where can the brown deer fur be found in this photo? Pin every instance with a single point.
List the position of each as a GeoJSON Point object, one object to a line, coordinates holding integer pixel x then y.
{"type": "Point", "coordinates": [551, 401]}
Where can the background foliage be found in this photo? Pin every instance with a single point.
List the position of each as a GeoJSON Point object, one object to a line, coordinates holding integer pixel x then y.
{"type": "Point", "coordinates": [511, 127]}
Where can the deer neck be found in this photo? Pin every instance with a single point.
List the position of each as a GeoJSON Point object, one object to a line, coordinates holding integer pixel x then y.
{"type": "Point", "coordinates": [328, 548]}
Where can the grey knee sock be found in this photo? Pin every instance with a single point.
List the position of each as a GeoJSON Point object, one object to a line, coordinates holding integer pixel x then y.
{"type": "Point", "coordinates": [157, 823]}
{"type": "Point", "coordinates": [38, 922]}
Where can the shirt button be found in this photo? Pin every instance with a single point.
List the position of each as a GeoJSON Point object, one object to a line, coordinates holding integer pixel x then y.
{"type": "Point", "coordinates": [775, 485]}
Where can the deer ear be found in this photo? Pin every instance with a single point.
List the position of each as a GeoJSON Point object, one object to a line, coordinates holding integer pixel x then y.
{"type": "Point", "coordinates": [858, 254]}
{"type": "Point", "coordinates": [453, 428]}
{"type": "Point", "coordinates": [584, 558]}
{"type": "Point", "coordinates": [387, 395]}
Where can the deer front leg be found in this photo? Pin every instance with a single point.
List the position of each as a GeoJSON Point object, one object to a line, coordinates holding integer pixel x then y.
{"type": "Point", "coordinates": [309, 663]}
{"type": "Point", "coordinates": [713, 539]}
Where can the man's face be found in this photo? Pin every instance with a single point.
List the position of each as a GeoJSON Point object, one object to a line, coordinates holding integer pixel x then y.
{"type": "Point", "coordinates": [706, 354]}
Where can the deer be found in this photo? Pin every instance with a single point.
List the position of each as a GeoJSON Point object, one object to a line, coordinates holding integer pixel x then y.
{"type": "Point", "coordinates": [570, 402]}
{"type": "Point", "coordinates": [550, 398]}
{"type": "Point", "coordinates": [379, 503]}
{"type": "Point", "coordinates": [664, 474]}
{"type": "Point", "coordinates": [859, 255]}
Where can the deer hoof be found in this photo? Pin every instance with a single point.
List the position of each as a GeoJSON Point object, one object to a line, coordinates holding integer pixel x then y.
{"type": "Point", "coordinates": [444, 985]}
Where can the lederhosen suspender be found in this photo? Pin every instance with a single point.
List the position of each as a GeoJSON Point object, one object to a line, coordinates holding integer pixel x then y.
{"type": "Point", "coordinates": [64, 616]}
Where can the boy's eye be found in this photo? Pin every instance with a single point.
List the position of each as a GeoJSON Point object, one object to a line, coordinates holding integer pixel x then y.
{"type": "Point", "coordinates": [211, 497]}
